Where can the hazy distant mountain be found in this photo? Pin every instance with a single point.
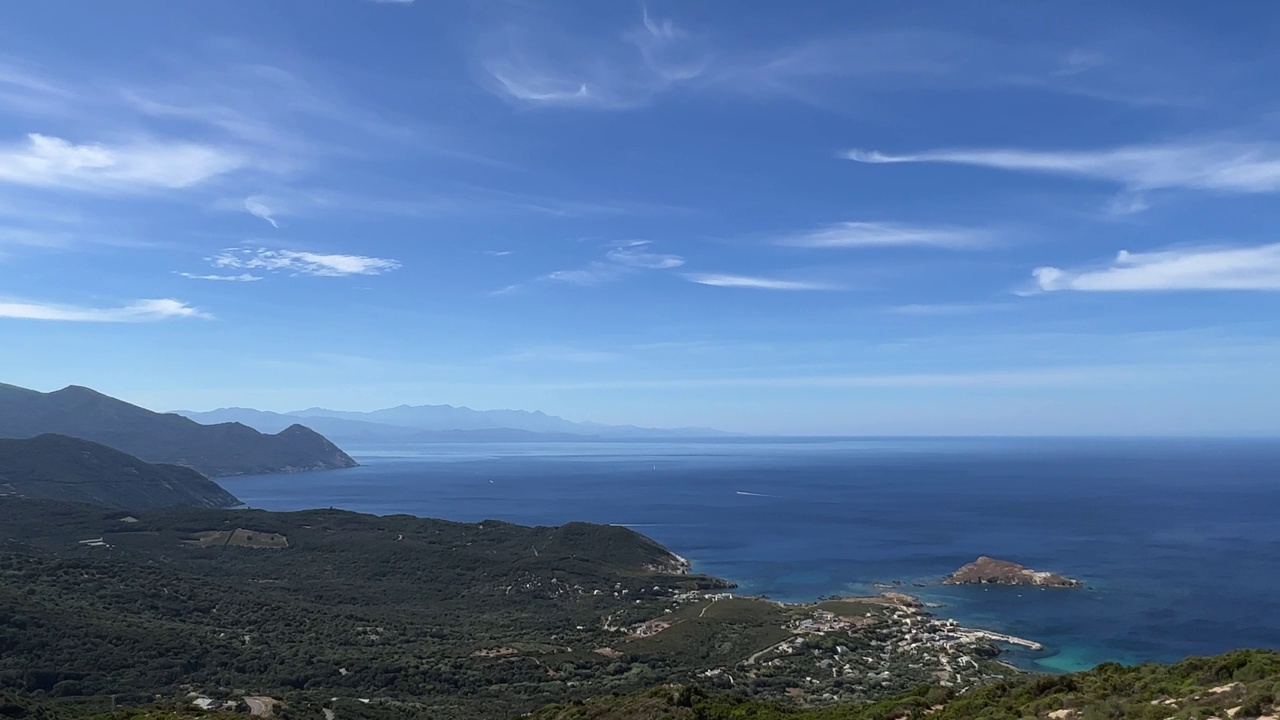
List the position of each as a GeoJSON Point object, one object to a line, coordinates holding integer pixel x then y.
{"type": "Point", "coordinates": [272, 422]}
{"type": "Point", "coordinates": [440, 423]}
{"type": "Point", "coordinates": [215, 450]}
{"type": "Point", "coordinates": [57, 467]}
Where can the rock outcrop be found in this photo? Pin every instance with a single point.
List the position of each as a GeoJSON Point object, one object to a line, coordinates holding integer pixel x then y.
{"type": "Point", "coordinates": [989, 571]}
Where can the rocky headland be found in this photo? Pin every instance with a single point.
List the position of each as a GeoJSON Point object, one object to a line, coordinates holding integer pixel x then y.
{"type": "Point", "coordinates": [990, 571]}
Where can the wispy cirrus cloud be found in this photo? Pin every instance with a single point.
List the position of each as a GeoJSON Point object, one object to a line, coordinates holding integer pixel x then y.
{"type": "Point", "coordinates": [633, 254]}
{"type": "Point", "coordinates": [295, 262]}
{"type": "Point", "coordinates": [1228, 167]}
{"type": "Point", "coordinates": [550, 69]}
{"type": "Point", "coordinates": [755, 282]}
{"type": "Point", "coordinates": [535, 62]}
{"type": "Point", "coordinates": [597, 273]}
{"type": "Point", "coordinates": [1191, 268]}
{"type": "Point", "coordinates": [11, 236]}
{"type": "Point", "coordinates": [226, 109]}
{"type": "Point", "coordinates": [242, 277]}
{"type": "Point", "coordinates": [256, 206]}
{"type": "Point", "coordinates": [23, 92]}
{"type": "Point", "coordinates": [50, 162]}
{"type": "Point", "coordinates": [622, 258]}
{"type": "Point", "coordinates": [285, 110]}
{"type": "Point", "coordinates": [135, 312]}
{"type": "Point", "coordinates": [886, 234]}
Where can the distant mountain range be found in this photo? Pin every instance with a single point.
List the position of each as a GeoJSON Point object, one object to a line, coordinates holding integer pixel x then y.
{"type": "Point", "coordinates": [57, 467]}
{"type": "Point", "coordinates": [441, 423]}
{"type": "Point", "coordinates": [214, 450]}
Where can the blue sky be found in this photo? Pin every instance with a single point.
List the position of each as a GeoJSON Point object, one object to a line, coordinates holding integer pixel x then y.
{"type": "Point", "coordinates": [833, 217]}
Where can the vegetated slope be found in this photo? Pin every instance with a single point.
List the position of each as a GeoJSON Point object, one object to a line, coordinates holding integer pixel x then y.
{"type": "Point", "coordinates": [1238, 685]}
{"type": "Point", "coordinates": [452, 620]}
{"type": "Point", "coordinates": [58, 467]}
{"type": "Point", "coordinates": [214, 450]}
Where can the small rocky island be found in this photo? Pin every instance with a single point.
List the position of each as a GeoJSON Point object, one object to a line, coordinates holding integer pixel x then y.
{"type": "Point", "coordinates": [989, 571]}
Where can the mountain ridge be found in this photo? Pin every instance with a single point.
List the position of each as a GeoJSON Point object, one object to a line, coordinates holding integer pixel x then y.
{"type": "Point", "coordinates": [219, 450]}
{"type": "Point", "coordinates": [443, 423]}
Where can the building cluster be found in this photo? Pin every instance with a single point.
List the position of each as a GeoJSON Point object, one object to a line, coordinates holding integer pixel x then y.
{"type": "Point", "coordinates": [833, 658]}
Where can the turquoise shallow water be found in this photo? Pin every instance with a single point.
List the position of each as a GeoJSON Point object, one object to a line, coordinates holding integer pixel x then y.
{"type": "Point", "coordinates": [1178, 540]}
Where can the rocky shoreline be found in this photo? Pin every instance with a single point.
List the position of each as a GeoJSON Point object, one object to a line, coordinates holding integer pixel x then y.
{"type": "Point", "coordinates": [990, 571]}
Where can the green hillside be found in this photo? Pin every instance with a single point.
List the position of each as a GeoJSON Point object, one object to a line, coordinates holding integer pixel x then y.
{"type": "Point", "coordinates": [58, 467]}
{"type": "Point", "coordinates": [456, 620]}
{"type": "Point", "coordinates": [1238, 685]}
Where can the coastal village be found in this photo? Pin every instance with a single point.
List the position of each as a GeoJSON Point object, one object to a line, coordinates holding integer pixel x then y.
{"type": "Point", "coordinates": [851, 649]}
{"type": "Point", "coordinates": [837, 650]}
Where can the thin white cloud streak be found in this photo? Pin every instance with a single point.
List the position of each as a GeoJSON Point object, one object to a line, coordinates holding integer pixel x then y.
{"type": "Point", "coordinates": [498, 253]}
{"type": "Point", "coordinates": [302, 263]}
{"type": "Point", "coordinates": [596, 273]}
{"type": "Point", "coordinates": [540, 88]}
{"type": "Point", "coordinates": [623, 258]}
{"type": "Point", "coordinates": [51, 162]}
{"type": "Point", "coordinates": [31, 238]}
{"type": "Point", "coordinates": [535, 65]}
{"type": "Point", "coordinates": [669, 51]}
{"type": "Point", "coordinates": [26, 93]}
{"type": "Point", "coordinates": [1216, 166]}
{"type": "Point", "coordinates": [242, 277]}
{"type": "Point", "coordinates": [1118, 65]}
{"type": "Point", "coordinates": [257, 207]}
{"type": "Point", "coordinates": [137, 312]}
{"type": "Point", "coordinates": [524, 66]}
{"type": "Point", "coordinates": [864, 58]}
{"type": "Point", "coordinates": [884, 234]}
{"type": "Point", "coordinates": [289, 118]}
{"type": "Point", "coordinates": [1202, 268]}
{"type": "Point", "coordinates": [755, 282]}
{"type": "Point", "coordinates": [630, 256]}
{"type": "Point", "coordinates": [508, 290]}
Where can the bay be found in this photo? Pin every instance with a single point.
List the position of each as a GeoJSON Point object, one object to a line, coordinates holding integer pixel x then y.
{"type": "Point", "coordinates": [1178, 540]}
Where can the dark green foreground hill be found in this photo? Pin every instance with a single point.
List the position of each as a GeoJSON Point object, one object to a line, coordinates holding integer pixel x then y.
{"type": "Point", "coordinates": [426, 618]}
{"type": "Point", "coordinates": [1239, 685]}
{"type": "Point", "coordinates": [57, 467]}
{"type": "Point", "coordinates": [214, 450]}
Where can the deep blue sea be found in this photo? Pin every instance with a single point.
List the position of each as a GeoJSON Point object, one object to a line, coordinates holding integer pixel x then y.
{"type": "Point", "coordinates": [1178, 540]}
